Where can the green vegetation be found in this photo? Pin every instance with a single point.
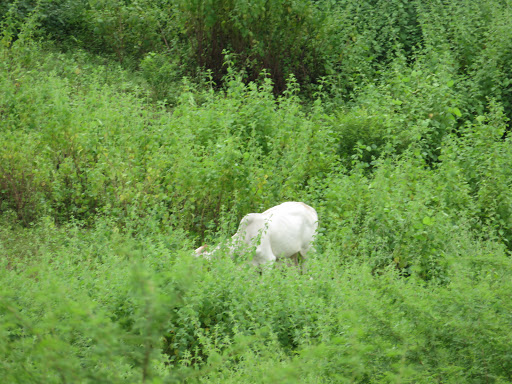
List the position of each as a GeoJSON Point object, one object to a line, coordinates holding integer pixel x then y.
{"type": "Point", "coordinates": [133, 131]}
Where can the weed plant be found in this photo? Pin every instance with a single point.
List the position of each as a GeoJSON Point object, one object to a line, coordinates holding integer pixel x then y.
{"type": "Point", "coordinates": [133, 132]}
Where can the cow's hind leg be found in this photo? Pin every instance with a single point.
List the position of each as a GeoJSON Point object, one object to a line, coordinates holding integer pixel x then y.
{"type": "Point", "coordinates": [295, 259]}
{"type": "Point", "coordinates": [301, 261]}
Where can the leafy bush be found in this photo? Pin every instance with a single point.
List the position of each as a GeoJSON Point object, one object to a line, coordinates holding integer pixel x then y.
{"type": "Point", "coordinates": [98, 304]}
{"type": "Point", "coordinates": [61, 19]}
{"type": "Point", "coordinates": [273, 35]}
{"type": "Point", "coordinates": [477, 34]}
{"type": "Point", "coordinates": [84, 144]}
{"type": "Point", "coordinates": [65, 321]}
{"type": "Point", "coordinates": [391, 119]}
{"type": "Point", "coordinates": [163, 75]}
{"type": "Point", "coordinates": [481, 157]}
{"type": "Point", "coordinates": [129, 30]}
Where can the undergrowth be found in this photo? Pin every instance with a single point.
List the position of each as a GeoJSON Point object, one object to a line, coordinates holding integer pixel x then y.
{"type": "Point", "coordinates": [133, 132]}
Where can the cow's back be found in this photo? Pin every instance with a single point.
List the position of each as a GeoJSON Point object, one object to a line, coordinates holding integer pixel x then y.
{"type": "Point", "coordinates": [291, 228]}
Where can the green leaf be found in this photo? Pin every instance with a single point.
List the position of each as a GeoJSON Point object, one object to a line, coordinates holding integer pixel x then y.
{"type": "Point", "coordinates": [427, 220]}
{"type": "Point", "coordinates": [456, 112]}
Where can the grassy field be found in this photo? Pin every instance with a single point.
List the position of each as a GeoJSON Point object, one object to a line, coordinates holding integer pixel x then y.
{"type": "Point", "coordinates": [131, 132]}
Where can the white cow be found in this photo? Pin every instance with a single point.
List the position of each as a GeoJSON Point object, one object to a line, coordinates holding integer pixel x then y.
{"type": "Point", "coordinates": [281, 232]}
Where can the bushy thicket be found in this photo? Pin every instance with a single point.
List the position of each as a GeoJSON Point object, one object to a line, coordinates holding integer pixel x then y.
{"type": "Point", "coordinates": [133, 131]}
{"type": "Point", "coordinates": [97, 305]}
{"type": "Point", "coordinates": [342, 44]}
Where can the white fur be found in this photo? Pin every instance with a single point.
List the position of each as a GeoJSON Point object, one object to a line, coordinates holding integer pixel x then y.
{"type": "Point", "coordinates": [281, 232]}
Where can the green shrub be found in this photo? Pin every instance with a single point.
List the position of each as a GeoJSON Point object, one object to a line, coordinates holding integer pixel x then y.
{"type": "Point", "coordinates": [361, 136]}
{"type": "Point", "coordinates": [88, 305]}
{"type": "Point", "coordinates": [477, 34]}
{"type": "Point", "coordinates": [101, 150]}
{"type": "Point", "coordinates": [279, 36]}
{"type": "Point", "coordinates": [163, 75]}
{"type": "Point", "coordinates": [414, 106]}
{"type": "Point", "coordinates": [394, 127]}
{"type": "Point", "coordinates": [481, 157]}
{"type": "Point", "coordinates": [62, 20]}
{"type": "Point", "coordinates": [98, 304]}
{"type": "Point", "coordinates": [129, 30]}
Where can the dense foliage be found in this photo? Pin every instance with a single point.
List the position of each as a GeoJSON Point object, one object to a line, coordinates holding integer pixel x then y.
{"type": "Point", "coordinates": [133, 131]}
